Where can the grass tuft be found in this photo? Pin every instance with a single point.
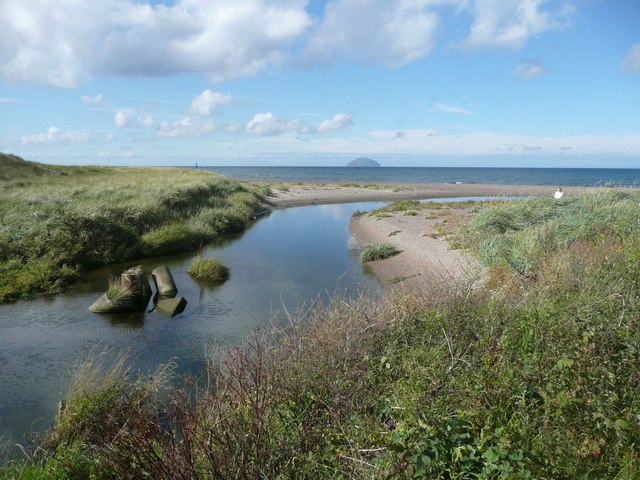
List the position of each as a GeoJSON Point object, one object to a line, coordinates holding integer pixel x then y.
{"type": "Point", "coordinates": [211, 269]}
{"type": "Point", "coordinates": [378, 251]}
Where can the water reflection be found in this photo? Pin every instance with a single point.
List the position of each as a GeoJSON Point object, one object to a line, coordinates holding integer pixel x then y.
{"type": "Point", "coordinates": [286, 260]}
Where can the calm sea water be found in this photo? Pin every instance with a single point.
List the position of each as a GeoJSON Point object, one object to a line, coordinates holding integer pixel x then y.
{"type": "Point", "coordinates": [505, 176]}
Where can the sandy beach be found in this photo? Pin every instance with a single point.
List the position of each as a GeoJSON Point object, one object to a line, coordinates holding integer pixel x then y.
{"type": "Point", "coordinates": [299, 194]}
{"type": "Point", "coordinates": [426, 263]}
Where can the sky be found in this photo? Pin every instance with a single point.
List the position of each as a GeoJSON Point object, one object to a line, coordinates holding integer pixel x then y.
{"type": "Point", "coordinates": [507, 83]}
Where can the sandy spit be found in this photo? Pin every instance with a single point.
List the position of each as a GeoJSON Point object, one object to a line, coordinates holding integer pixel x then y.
{"type": "Point", "coordinates": [426, 263]}
{"type": "Point", "coordinates": [295, 195]}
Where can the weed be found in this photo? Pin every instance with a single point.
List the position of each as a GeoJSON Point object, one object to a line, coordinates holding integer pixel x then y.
{"type": "Point", "coordinates": [378, 251]}
{"type": "Point", "coordinates": [211, 269]}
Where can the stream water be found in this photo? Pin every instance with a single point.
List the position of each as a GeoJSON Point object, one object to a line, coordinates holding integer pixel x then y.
{"type": "Point", "coordinates": [289, 258]}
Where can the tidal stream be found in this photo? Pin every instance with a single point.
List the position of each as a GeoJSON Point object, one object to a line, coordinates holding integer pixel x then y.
{"type": "Point", "coordinates": [286, 260]}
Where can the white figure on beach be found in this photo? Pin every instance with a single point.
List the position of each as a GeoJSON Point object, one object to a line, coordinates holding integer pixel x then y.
{"type": "Point", "coordinates": [559, 194]}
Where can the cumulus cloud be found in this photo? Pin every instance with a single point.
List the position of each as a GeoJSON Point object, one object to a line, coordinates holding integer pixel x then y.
{"type": "Point", "coordinates": [208, 102]}
{"type": "Point", "coordinates": [528, 69]}
{"type": "Point", "coordinates": [186, 127]}
{"type": "Point", "coordinates": [338, 122]}
{"type": "Point", "coordinates": [92, 101]}
{"type": "Point", "coordinates": [130, 118]}
{"type": "Point", "coordinates": [56, 135]}
{"type": "Point", "coordinates": [510, 23]}
{"type": "Point", "coordinates": [393, 33]}
{"type": "Point", "coordinates": [68, 41]}
{"type": "Point", "coordinates": [631, 62]}
{"type": "Point", "coordinates": [267, 124]}
{"type": "Point", "coordinates": [443, 107]}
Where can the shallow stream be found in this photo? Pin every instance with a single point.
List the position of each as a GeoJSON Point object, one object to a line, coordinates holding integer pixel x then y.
{"type": "Point", "coordinates": [289, 258]}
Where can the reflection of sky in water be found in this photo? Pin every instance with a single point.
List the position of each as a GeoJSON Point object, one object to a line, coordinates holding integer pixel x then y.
{"type": "Point", "coordinates": [287, 259]}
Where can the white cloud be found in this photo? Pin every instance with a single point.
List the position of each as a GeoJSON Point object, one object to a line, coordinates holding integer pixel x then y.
{"type": "Point", "coordinates": [186, 127]}
{"type": "Point", "coordinates": [65, 42]}
{"type": "Point", "coordinates": [389, 32]}
{"type": "Point", "coordinates": [510, 23]}
{"type": "Point", "coordinates": [338, 122]}
{"type": "Point", "coordinates": [528, 69]}
{"type": "Point", "coordinates": [130, 118]}
{"type": "Point", "coordinates": [92, 101]}
{"type": "Point", "coordinates": [56, 135]}
{"type": "Point", "coordinates": [631, 62]}
{"type": "Point", "coordinates": [208, 102]}
{"type": "Point", "coordinates": [267, 124]}
{"type": "Point", "coordinates": [443, 107]}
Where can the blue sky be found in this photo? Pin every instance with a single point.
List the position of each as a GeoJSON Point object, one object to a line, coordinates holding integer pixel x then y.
{"type": "Point", "coordinates": [294, 82]}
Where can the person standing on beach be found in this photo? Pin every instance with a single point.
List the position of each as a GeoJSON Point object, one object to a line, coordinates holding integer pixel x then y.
{"type": "Point", "coordinates": [559, 194]}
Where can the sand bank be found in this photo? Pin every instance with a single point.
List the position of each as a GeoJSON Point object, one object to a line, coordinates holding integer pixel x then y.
{"type": "Point", "coordinates": [426, 263]}
{"type": "Point", "coordinates": [295, 195]}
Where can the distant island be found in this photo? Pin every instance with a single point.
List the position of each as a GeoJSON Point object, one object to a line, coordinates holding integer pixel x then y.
{"type": "Point", "coordinates": [363, 162]}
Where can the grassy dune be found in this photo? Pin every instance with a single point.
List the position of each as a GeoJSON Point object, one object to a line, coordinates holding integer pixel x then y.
{"type": "Point", "coordinates": [536, 377]}
{"type": "Point", "coordinates": [56, 221]}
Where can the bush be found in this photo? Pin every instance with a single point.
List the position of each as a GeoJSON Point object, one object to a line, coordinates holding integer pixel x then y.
{"type": "Point", "coordinates": [378, 251]}
{"type": "Point", "coordinates": [211, 269]}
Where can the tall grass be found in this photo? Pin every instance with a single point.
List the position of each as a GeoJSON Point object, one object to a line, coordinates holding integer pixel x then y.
{"type": "Point", "coordinates": [65, 219]}
{"type": "Point", "coordinates": [537, 378]}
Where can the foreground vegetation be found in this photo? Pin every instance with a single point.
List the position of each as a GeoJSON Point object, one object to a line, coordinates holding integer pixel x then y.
{"type": "Point", "coordinates": [536, 377]}
{"type": "Point", "coordinates": [56, 221]}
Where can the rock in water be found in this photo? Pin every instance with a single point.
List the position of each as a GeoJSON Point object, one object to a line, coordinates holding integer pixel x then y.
{"type": "Point", "coordinates": [363, 162]}
{"type": "Point", "coordinates": [165, 285]}
{"type": "Point", "coordinates": [171, 306]}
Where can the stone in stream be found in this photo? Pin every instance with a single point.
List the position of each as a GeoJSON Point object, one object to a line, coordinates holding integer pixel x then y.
{"type": "Point", "coordinates": [133, 281]}
{"type": "Point", "coordinates": [171, 306]}
{"type": "Point", "coordinates": [164, 282]}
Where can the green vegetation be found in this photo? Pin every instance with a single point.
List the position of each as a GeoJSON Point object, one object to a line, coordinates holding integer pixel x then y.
{"type": "Point", "coordinates": [536, 377]}
{"type": "Point", "coordinates": [378, 251]}
{"type": "Point", "coordinates": [211, 269]}
{"type": "Point", "coordinates": [56, 221]}
{"type": "Point", "coordinates": [119, 295]}
{"type": "Point", "coordinates": [398, 206]}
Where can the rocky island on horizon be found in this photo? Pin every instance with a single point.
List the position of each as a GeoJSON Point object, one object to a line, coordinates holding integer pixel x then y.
{"type": "Point", "coordinates": [363, 162]}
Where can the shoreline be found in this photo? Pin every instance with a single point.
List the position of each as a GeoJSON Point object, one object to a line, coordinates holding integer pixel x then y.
{"type": "Point", "coordinates": [426, 263]}
{"type": "Point", "coordinates": [300, 194]}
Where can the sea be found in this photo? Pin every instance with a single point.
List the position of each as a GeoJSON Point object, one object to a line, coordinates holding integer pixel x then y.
{"type": "Point", "coordinates": [627, 177]}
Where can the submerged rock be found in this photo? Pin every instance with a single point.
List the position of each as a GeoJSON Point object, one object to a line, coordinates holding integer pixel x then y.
{"type": "Point", "coordinates": [102, 305]}
{"type": "Point", "coordinates": [171, 306]}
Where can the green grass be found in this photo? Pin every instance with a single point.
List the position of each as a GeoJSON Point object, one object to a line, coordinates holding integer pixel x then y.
{"type": "Point", "coordinates": [536, 377]}
{"type": "Point", "coordinates": [211, 269]}
{"type": "Point", "coordinates": [119, 295]}
{"type": "Point", "coordinates": [56, 221]}
{"type": "Point", "coordinates": [378, 251]}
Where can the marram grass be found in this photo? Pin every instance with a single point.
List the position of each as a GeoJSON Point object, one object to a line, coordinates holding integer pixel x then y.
{"type": "Point", "coordinates": [56, 220]}
{"type": "Point", "coordinates": [211, 269]}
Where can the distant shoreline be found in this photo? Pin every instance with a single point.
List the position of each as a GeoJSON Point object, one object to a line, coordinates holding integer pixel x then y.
{"type": "Point", "coordinates": [310, 193]}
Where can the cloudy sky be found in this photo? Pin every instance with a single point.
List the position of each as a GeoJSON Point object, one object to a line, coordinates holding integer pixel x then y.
{"type": "Point", "coordinates": [319, 82]}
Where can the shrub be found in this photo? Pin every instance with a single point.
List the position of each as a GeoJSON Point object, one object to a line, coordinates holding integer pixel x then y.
{"type": "Point", "coordinates": [211, 269]}
{"type": "Point", "coordinates": [378, 251]}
